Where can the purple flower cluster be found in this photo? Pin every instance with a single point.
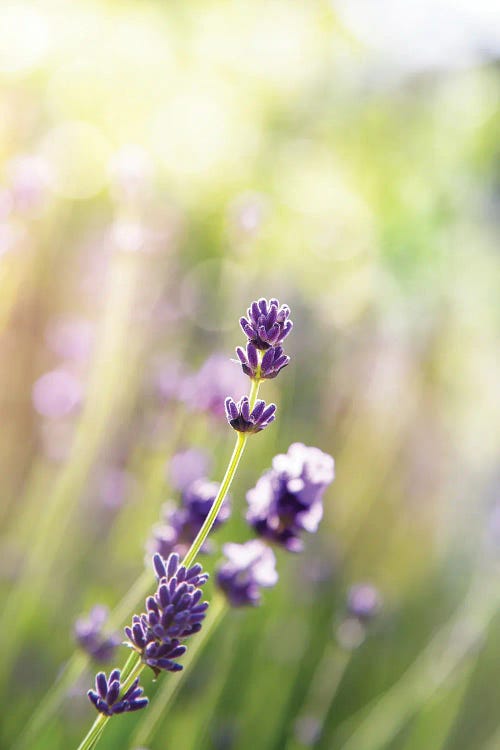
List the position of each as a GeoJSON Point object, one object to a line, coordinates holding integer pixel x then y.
{"type": "Point", "coordinates": [287, 499]}
{"type": "Point", "coordinates": [247, 567]}
{"type": "Point", "coordinates": [272, 362]}
{"type": "Point", "coordinates": [88, 634]}
{"type": "Point", "coordinates": [242, 419]}
{"type": "Point", "coordinates": [266, 326]}
{"type": "Point", "coordinates": [106, 697]}
{"type": "Point", "coordinates": [173, 613]}
{"type": "Point", "coordinates": [181, 525]}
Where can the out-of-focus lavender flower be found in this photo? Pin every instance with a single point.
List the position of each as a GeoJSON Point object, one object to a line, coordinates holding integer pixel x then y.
{"type": "Point", "coordinates": [247, 568]}
{"type": "Point", "coordinates": [217, 378]}
{"type": "Point", "coordinates": [272, 362]}
{"type": "Point", "coordinates": [71, 338]}
{"type": "Point", "coordinates": [242, 419]}
{"type": "Point", "coordinates": [6, 203]}
{"type": "Point", "coordinates": [287, 499]}
{"type": "Point", "coordinates": [172, 614]}
{"type": "Point", "coordinates": [186, 466]}
{"type": "Point", "coordinates": [267, 323]}
{"type": "Point", "coordinates": [181, 525]}
{"type": "Point", "coordinates": [307, 730]}
{"type": "Point", "coordinates": [131, 171]}
{"type": "Point", "coordinates": [114, 486]}
{"type": "Point", "coordinates": [106, 696]}
{"type": "Point", "coordinates": [129, 235]}
{"type": "Point", "coordinates": [168, 380]}
{"type": "Point", "coordinates": [89, 635]}
{"type": "Point", "coordinates": [12, 237]}
{"type": "Point", "coordinates": [31, 177]}
{"type": "Point", "coordinates": [248, 212]}
{"type": "Point", "coordinates": [57, 394]}
{"type": "Point", "coordinates": [363, 601]}
{"type": "Point", "coordinates": [197, 500]}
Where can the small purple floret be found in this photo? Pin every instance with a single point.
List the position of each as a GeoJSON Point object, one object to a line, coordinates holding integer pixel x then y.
{"type": "Point", "coordinates": [248, 567]}
{"type": "Point", "coordinates": [88, 633]}
{"type": "Point", "coordinates": [267, 323]}
{"type": "Point", "coordinates": [363, 601]}
{"type": "Point", "coordinates": [273, 361]}
{"type": "Point", "coordinates": [287, 499]}
{"type": "Point", "coordinates": [242, 419]}
{"type": "Point", "coordinates": [173, 613]}
{"type": "Point", "coordinates": [106, 697]}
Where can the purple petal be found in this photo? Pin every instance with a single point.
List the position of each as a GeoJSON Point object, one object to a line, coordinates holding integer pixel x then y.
{"type": "Point", "coordinates": [258, 409]}
{"type": "Point", "coordinates": [172, 564]}
{"type": "Point", "coordinates": [113, 692]}
{"type": "Point", "coordinates": [253, 358]}
{"type": "Point", "coordinates": [245, 410]}
{"type": "Point", "coordinates": [241, 355]}
{"type": "Point", "coordinates": [159, 566]}
{"type": "Point", "coordinates": [101, 684]}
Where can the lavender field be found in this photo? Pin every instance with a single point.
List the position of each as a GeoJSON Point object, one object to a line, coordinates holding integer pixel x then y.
{"type": "Point", "coordinates": [249, 375]}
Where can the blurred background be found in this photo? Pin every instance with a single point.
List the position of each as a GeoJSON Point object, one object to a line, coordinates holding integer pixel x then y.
{"type": "Point", "coordinates": [162, 164]}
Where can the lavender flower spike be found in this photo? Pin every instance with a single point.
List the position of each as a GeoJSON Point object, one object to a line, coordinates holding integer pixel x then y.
{"type": "Point", "coordinates": [267, 323]}
{"type": "Point", "coordinates": [242, 419]}
{"type": "Point", "coordinates": [173, 613]}
{"type": "Point", "coordinates": [248, 567]}
{"type": "Point", "coordinates": [272, 362]}
{"type": "Point", "coordinates": [106, 697]}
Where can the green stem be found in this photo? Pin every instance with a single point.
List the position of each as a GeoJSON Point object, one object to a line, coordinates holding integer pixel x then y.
{"type": "Point", "coordinates": [134, 665]}
{"type": "Point", "coordinates": [169, 687]}
{"type": "Point", "coordinates": [95, 732]}
{"type": "Point", "coordinates": [77, 664]}
{"type": "Point", "coordinates": [241, 441]}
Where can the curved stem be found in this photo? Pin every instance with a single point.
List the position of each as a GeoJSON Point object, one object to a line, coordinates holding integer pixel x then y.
{"type": "Point", "coordinates": [241, 440]}
{"type": "Point", "coordinates": [134, 665]}
{"type": "Point", "coordinates": [95, 732]}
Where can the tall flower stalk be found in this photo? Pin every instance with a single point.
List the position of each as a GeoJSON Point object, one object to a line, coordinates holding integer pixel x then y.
{"type": "Point", "coordinates": [151, 633]}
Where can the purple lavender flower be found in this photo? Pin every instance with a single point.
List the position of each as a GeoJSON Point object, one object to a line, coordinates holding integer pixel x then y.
{"type": "Point", "coordinates": [242, 419]}
{"type": "Point", "coordinates": [272, 362]}
{"type": "Point", "coordinates": [88, 634]}
{"type": "Point", "coordinates": [267, 323]}
{"type": "Point", "coordinates": [181, 525]}
{"type": "Point", "coordinates": [248, 567]}
{"type": "Point", "coordinates": [287, 499]}
{"type": "Point", "coordinates": [173, 613]}
{"type": "Point", "coordinates": [57, 394]}
{"type": "Point", "coordinates": [106, 697]}
{"type": "Point", "coordinates": [363, 601]}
